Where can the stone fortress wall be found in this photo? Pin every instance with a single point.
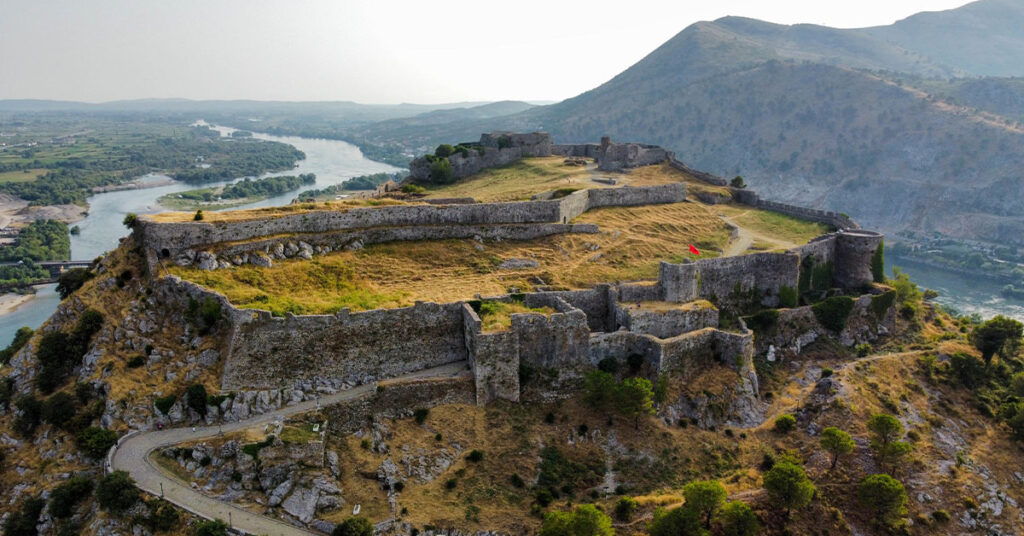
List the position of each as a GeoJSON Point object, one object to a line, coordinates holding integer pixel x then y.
{"type": "Point", "coordinates": [493, 150]}
{"type": "Point", "coordinates": [681, 336]}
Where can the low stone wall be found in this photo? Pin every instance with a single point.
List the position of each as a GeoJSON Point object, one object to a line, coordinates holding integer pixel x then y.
{"type": "Point", "coordinates": [630, 196]}
{"type": "Point", "coordinates": [399, 399]}
{"type": "Point", "coordinates": [579, 150]}
{"type": "Point", "coordinates": [638, 292]}
{"type": "Point", "coordinates": [731, 281]}
{"type": "Point", "coordinates": [595, 304]}
{"type": "Point", "coordinates": [699, 175]}
{"type": "Point", "coordinates": [665, 324]}
{"type": "Point", "coordinates": [270, 351]}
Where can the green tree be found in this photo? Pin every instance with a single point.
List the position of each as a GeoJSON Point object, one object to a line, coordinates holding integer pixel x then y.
{"type": "Point", "coordinates": [836, 442]}
{"type": "Point", "coordinates": [23, 522]}
{"type": "Point", "coordinates": [21, 338]}
{"type": "Point", "coordinates": [64, 497]}
{"type": "Point", "coordinates": [635, 398]}
{"type": "Point", "coordinates": [599, 390]}
{"type": "Point", "coordinates": [884, 496]}
{"type": "Point", "coordinates": [788, 486]}
{"type": "Point", "coordinates": [441, 171]}
{"type": "Point", "coordinates": [585, 520]}
{"type": "Point", "coordinates": [95, 441]}
{"type": "Point", "coordinates": [117, 492]}
{"type": "Point", "coordinates": [705, 498]}
{"type": "Point", "coordinates": [1017, 384]}
{"type": "Point", "coordinates": [906, 290]}
{"type": "Point", "coordinates": [625, 508]}
{"type": "Point", "coordinates": [71, 280]}
{"type": "Point", "coordinates": [195, 398]}
{"type": "Point", "coordinates": [130, 220]}
{"type": "Point", "coordinates": [968, 370]}
{"type": "Point", "coordinates": [59, 409]}
{"type": "Point", "coordinates": [354, 526]}
{"type": "Point", "coordinates": [737, 182]}
{"type": "Point", "coordinates": [886, 430]}
{"type": "Point", "coordinates": [738, 519]}
{"type": "Point", "coordinates": [1000, 335]}
{"type": "Point", "coordinates": [677, 522]}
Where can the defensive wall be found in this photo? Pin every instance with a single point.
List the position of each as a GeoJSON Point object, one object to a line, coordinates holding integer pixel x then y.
{"type": "Point", "coordinates": [493, 150]}
{"type": "Point", "coordinates": [679, 335]}
{"type": "Point", "coordinates": [327, 230]}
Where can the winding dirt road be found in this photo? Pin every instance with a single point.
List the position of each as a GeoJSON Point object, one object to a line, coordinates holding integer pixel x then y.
{"type": "Point", "coordinates": [132, 454]}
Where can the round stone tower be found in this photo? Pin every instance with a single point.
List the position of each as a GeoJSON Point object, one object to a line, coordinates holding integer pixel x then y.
{"type": "Point", "coordinates": [854, 249]}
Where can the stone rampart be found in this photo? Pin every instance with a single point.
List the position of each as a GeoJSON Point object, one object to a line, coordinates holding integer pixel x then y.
{"type": "Point", "coordinates": [269, 352]}
{"type": "Point", "coordinates": [595, 303]}
{"type": "Point", "coordinates": [731, 282]}
{"type": "Point", "coordinates": [399, 399]}
{"type": "Point", "coordinates": [559, 340]}
{"type": "Point", "coordinates": [578, 150]}
{"type": "Point", "coordinates": [618, 156]}
{"type": "Point", "coordinates": [630, 196]}
{"type": "Point", "coordinates": [494, 150]}
{"type": "Point", "coordinates": [669, 322]}
{"type": "Point", "coordinates": [699, 175]}
{"type": "Point", "coordinates": [493, 358]}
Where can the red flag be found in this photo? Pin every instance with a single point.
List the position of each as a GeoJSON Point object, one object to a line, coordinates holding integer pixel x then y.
{"type": "Point", "coordinates": [694, 250]}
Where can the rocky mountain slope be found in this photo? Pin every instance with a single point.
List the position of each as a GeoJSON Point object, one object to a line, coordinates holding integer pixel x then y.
{"type": "Point", "coordinates": [865, 121]}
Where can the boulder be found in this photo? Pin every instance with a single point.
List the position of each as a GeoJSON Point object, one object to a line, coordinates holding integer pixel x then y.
{"type": "Point", "coordinates": [302, 504]}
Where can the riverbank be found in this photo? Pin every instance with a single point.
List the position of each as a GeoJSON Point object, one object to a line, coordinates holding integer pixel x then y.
{"type": "Point", "coordinates": [11, 301]}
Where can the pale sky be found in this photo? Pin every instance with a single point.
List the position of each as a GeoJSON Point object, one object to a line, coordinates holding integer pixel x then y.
{"type": "Point", "coordinates": [369, 51]}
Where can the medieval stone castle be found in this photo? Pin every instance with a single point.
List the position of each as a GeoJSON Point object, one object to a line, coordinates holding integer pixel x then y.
{"type": "Point", "coordinates": [268, 352]}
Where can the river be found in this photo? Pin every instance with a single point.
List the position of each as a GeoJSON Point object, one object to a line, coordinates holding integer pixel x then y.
{"type": "Point", "coordinates": [332, 162]}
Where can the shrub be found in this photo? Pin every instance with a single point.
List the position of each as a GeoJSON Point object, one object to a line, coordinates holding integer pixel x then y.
{"type": "Point", "coordinates": [441, 171]}
{"type": "Point", "coordinates": [832, 312]}
{"type": "Point", "coordinates": [21, 337]}
{"type": "Point", "coordinates": [195, 398]}
{"type": "Point", "coordinates": [71, 280]}
{"type": "Point", "coordinates": [878, 264]}
{"type": "Point", "coordinates": [543, 497]}
{"type": "Point", "coordinates": [880, 304]}
{"type": "Point", "coordinates": [211, 528]}
{"type": "Point", "coordinates": [65, 496]}
{"type": "Point", "coordinates": [788, 297]}
{"type": "Point", "coordinates": [1000, 335]}
{"type": "Point", "coordinates": [968, 370]}
{"type": "Point", "coordinates": [420, 415]}
{"type": "Point", "coordinates": [738, 519]}
{"type": "Point", "coordinates": [737, 182]}
{"type": "Point", "coordinates": [827, 372]}
{"type": "Point", "coordinates": [763, 321]}
{"type": "Point", "coordinates": [163, 517]}
{"type": "Point", "coordinates": [941, 516]}
{"type": "Point", "coordinates": [117, 492]}
{"type": "Point", "coordinates": [585, 520]}
{"type": "Point", "coordinates": [203, 314]}
{"type": "Point", "coordinates": [30, 413]}
{"type": "Point", "coordinates": [517, 481]}
{"type": "Point", "coordinates": [863, 349]}
{"type": "Point", "coordinates": [450, 483]}
{"type": "Point", "coordinates": [788, 486]}
{"type": "Point", "coordinates": [198, 216]}
{"type": "Point", "coordinates": [23, 521]}
{"type": "Point", "coordinates": [444, 150]}
{"type": "Point", "coordinates": [95, 441]}
{"type": "Point", "coordinates": [676, 522]}
{"type": "Point", "coordinates": [413, 189]}
{"type": "Point", "coordinates": [609, 365]}
{"type": "Point", "coordinates": [884, 495]}
{"type": "Point", "coordinates": [475, 456]}
{"type": "Point", "coordinates": [130, 220]}
{"type": "Point", "coordinates": [164, 403]}
{"type": "Point", "coordinates": [785, 423]}
{"type": "Point", "coordinates": [59, 409]}
{"type": "Point", "coordinates": [136, 361]}
{"type": "Point", "coordinates": [625, 508]}
{"type": "Point", "coordinates": [549, 418]}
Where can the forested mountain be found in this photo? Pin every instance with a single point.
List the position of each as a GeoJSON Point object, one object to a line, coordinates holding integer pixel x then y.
{"type": "Point", "coordinates": [881, 123]}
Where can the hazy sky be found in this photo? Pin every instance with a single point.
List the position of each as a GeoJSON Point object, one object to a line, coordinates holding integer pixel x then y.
{"type": "Point", "coordinates": [372, 51]}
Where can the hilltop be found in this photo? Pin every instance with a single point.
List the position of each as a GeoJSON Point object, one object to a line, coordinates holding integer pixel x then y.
{"type": "Point", "coordinates": [456, 366]}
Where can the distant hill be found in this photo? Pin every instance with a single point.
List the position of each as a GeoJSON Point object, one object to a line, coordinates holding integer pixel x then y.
{"type": "Point", "coordinates": [851, 120]}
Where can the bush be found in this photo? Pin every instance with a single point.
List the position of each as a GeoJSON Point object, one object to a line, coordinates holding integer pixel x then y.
{"type": "Point", "coordinates": [117, 492]}
{"type": "Point", "coordinates": [517, 481]}
{"type": "Point", "coordinates": [968, 370]}
{"type": "Point", "coordinates": [444, 150]}
{"type": "Point", "coordinates": [1000, 335]}
{"type": "Point", "coordinates": [738, 519]}
{"type": "Point", "coordinates": [543, 497]}
{"type": "Point", "coordinates": [827, 372]}
{"type": "Point", "coordinates": [878, 264]}
{"type": "Point", "coordinates": [136, 361]}
{"type": "Point", "coordinates": [23, 522]}
{"type": "Point", "coordinates": [211, 528]}
{"type": "Point", "coordinates": [195, 398]}
{"type": "Point", "coordinates": [163, 516]}
{"type": "Point", "coordinates": [785, 423]}
{"type": "Point", "coordinates": [64, 497]}
{"type": "Point", "coordinates": [475, 456]}
{"type": "Point", "coordinates": [21, 337]}
{"type": "Point", "coordinates": [203, 314]}
{"type": "Point", "coordinates": [420, 415]}
{"type": "Point", "coordinates": [863, 349]}
{"type": "Point", "coordinates": [625, 508]}
{"type": "Point", "coordinates": [130, 220]}
{"type": "Point", "coordinates": [763, 321]}
{"type": "Point", "coordinates": [30, 414]}
{"type": "Point", "coordinates": [884, 496]}
{"type": "Point", "coordinates": [450, 483]}
{"type": "Point", "coordinates": [95, 441]}
{"type": "Point", "coordinates": [788, 297]}
{"type": "Point", "coordinates": [737, 182]}
{"type": "Point", "coordinates": [198, 216]}
{"type": "Point", "coordinates": [59, 409]}
{"type": "Point", "coordinates": [941, 516]}
{"type": "Point", "coordinates": [676, 522]}
{"type": "Point", "coordinates": [164, 403]}
{"type": "Point", "coordinates": [354, 526]}
{"type": "Point", "coordinates": [832, 312]}
{"type": "Point", "coordinates": [441, 171]}
{"type": "Point", "coordinates": [585, 520]}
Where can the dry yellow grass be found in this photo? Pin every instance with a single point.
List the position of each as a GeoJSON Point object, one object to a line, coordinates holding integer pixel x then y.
{"type": "Point", "coordinates": [632, 241]}
{"type": "Point", "coordinates": [519, 181]}
{"type": "Point", "coordinates": [266, 212]}
{"type": "Point", "coordinates": [497, 316]}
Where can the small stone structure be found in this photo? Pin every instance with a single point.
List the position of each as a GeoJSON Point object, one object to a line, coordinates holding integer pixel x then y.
{"type": "Point", "coordinates": [493, 150]}
{"type": "Point", "coordinates": [619, 156]}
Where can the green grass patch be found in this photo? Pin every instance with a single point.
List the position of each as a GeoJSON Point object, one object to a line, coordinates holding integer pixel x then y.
{"type": "Point", "coordinates": [497, 316]}
{"type": "Point", "coordinates": [302, 433]}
